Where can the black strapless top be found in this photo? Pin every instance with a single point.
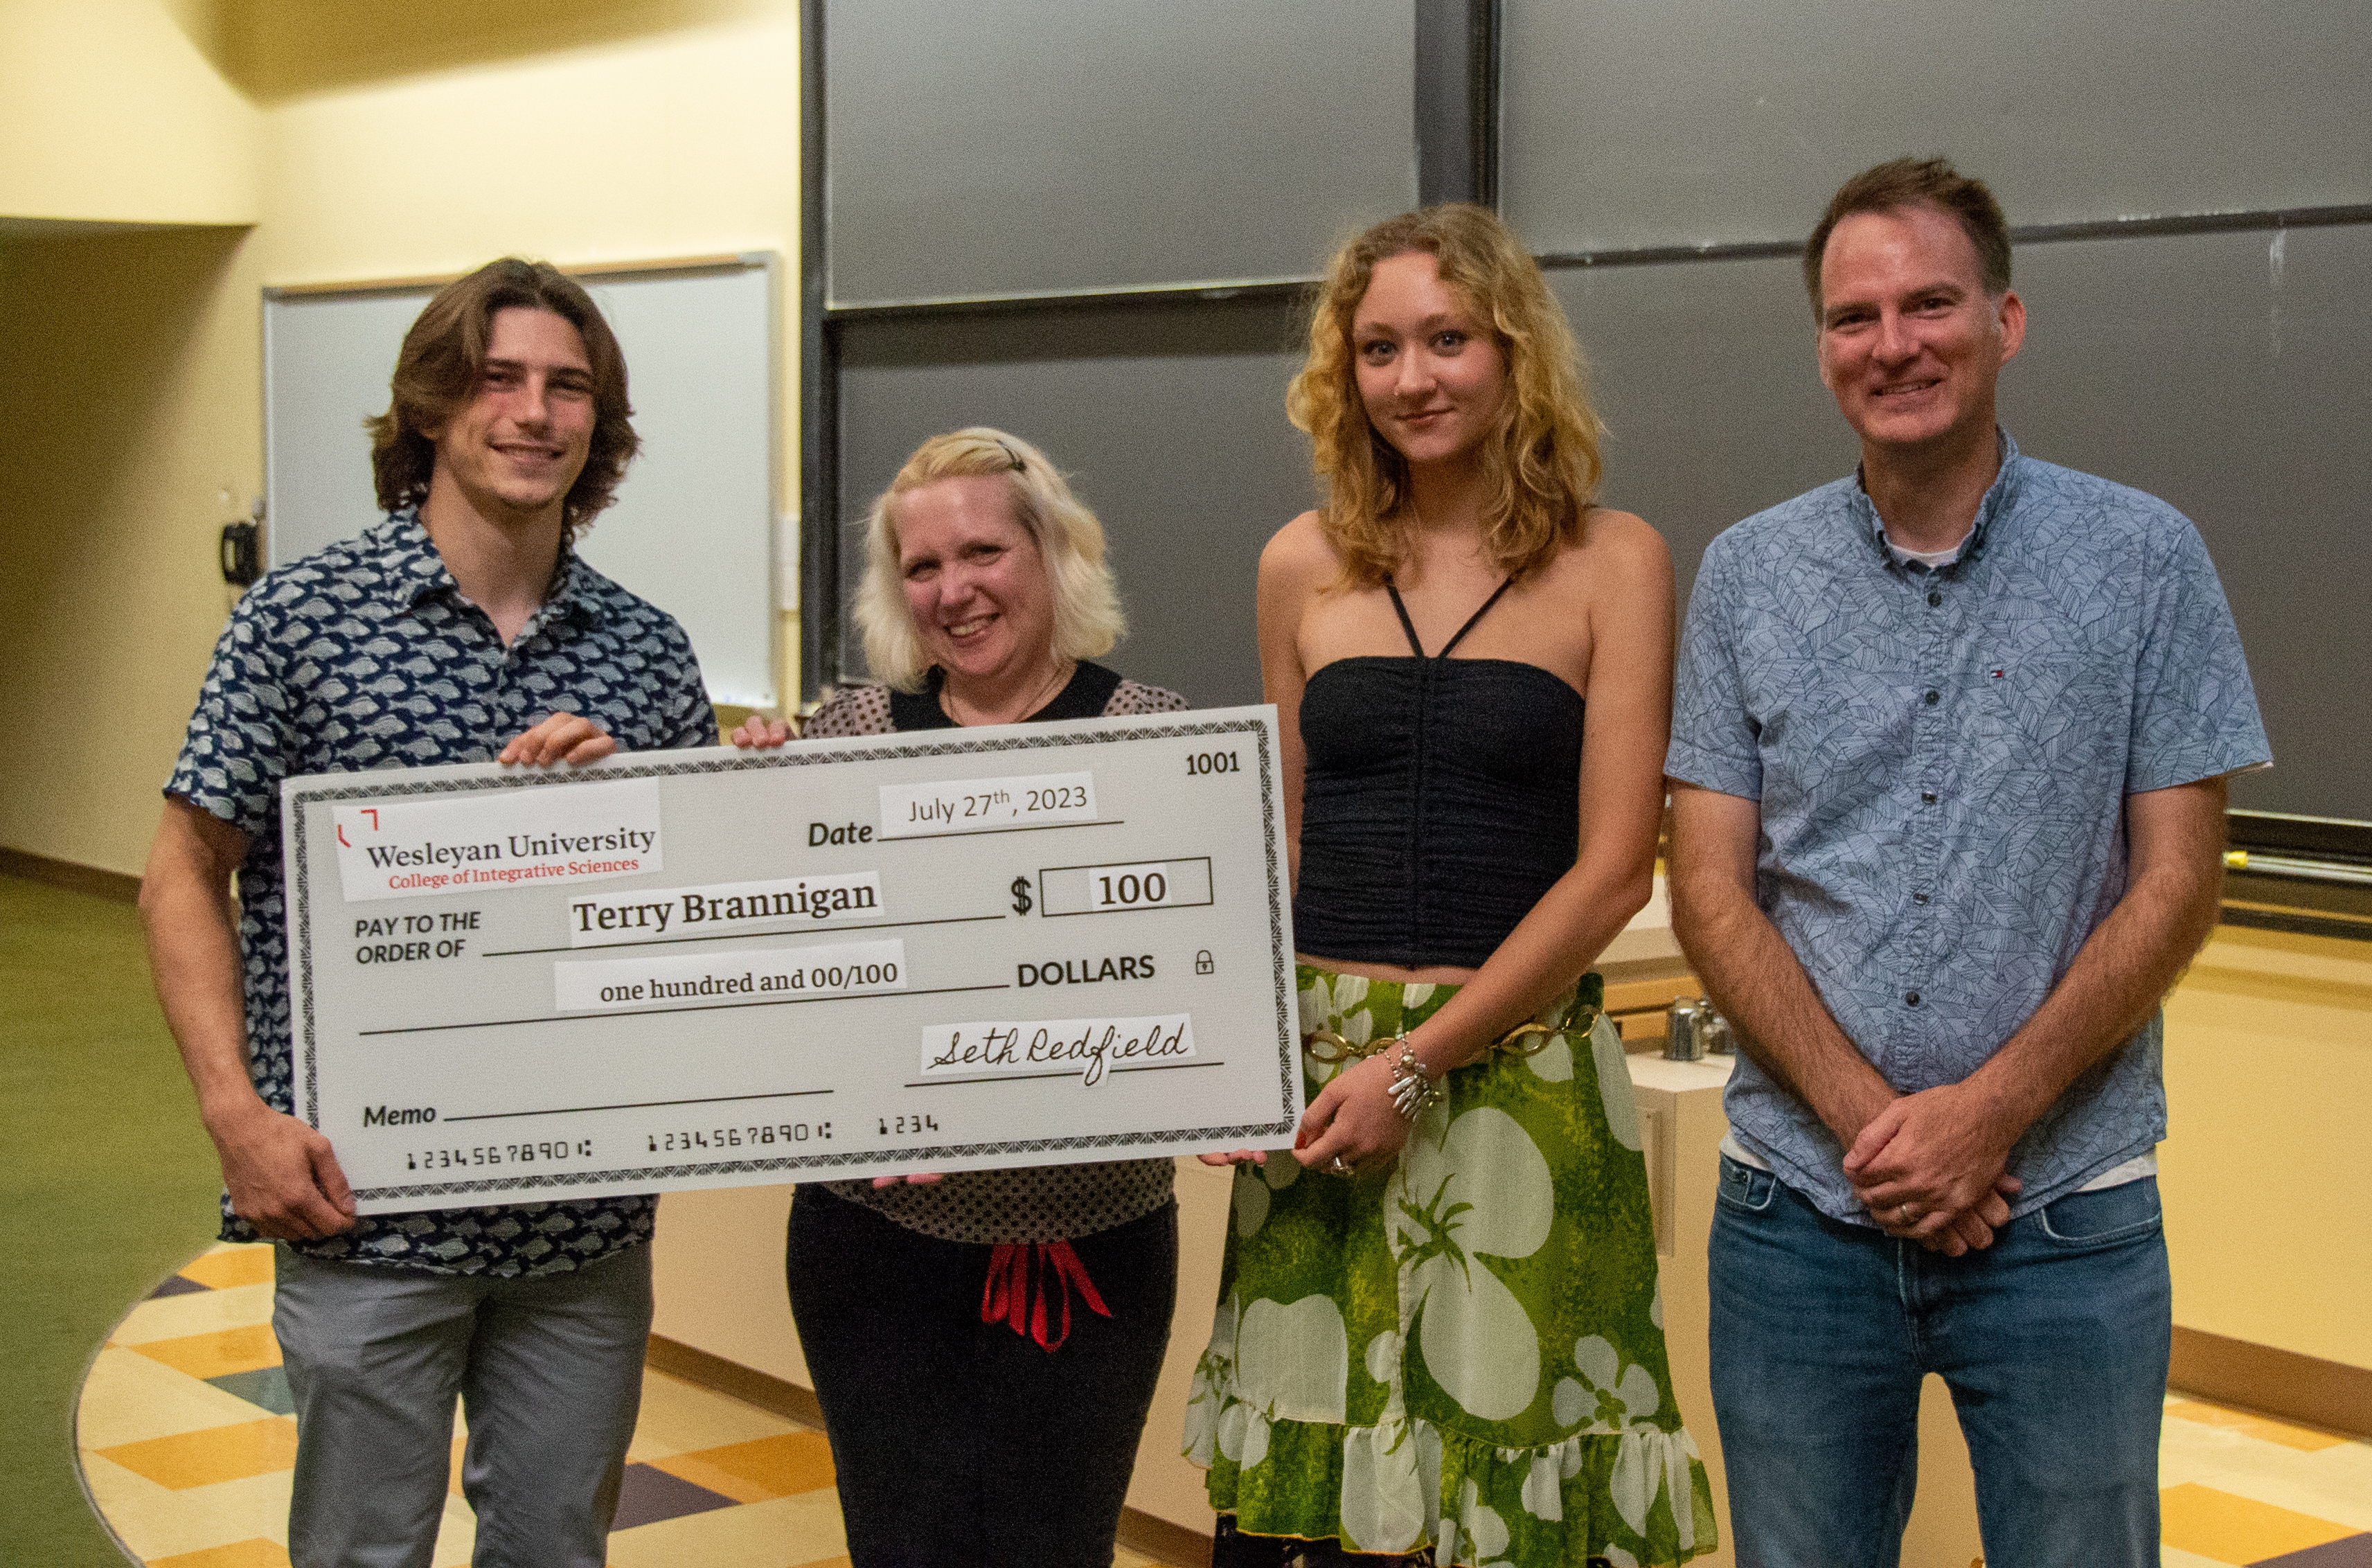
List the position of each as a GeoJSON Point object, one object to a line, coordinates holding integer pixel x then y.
{"type": "Point", "coordinates": [1440, 799]}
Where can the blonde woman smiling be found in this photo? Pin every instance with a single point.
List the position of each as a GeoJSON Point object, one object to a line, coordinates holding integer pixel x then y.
{"type": "Point", "coordinates": [985, 1346]}
{"type": "Point", "coordinates": [1439, 1326]}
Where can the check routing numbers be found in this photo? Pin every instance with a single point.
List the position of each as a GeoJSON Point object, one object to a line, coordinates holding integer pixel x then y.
{"type": "Point", "coordinates": [951, 950]}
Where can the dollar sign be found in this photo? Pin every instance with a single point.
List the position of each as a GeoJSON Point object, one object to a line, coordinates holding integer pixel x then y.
{"type": "Point", "coordinates": [1021, 895]}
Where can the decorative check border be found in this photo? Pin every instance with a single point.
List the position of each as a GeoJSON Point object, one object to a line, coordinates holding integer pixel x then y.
{"type": "Point", "coordinates": [299, 795]}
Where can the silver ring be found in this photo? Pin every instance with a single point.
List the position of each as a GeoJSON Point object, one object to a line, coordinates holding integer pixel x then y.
{"type": "Point", "coordinates": [1907, 1214]}
{"type": "Point", "coordinates": [1338, 1169]}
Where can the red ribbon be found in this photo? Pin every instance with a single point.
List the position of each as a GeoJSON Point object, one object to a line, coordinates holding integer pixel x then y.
{"type": "Point", "coordinates": [1011, 1296]}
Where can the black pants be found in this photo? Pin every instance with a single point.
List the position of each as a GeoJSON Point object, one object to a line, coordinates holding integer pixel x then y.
{"type": "Point", "coordinates": [961, 1444]}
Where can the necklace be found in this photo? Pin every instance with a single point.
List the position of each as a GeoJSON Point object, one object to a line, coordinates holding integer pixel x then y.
{"type": "Point", "coordinates": [1053, 683]}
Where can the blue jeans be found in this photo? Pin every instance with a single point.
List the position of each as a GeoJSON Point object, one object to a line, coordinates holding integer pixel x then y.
{"type": "Point", "coordinates": [2054, 1341]}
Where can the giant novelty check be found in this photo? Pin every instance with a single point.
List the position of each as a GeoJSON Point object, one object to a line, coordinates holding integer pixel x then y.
{"type": "Point", "coordinates": [1024, 945]}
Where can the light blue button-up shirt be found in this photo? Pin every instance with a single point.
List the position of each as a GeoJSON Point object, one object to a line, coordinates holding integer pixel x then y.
{"type": "Point", "coordinates": [1942, 760]}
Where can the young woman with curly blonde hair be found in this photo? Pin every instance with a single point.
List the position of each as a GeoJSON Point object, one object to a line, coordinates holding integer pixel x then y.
{"type": "Point", "coordinates": [1438, 1337]}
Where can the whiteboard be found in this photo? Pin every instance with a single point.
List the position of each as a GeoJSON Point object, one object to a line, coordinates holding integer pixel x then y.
{"type": "Point", "coordinates": [692, 530]}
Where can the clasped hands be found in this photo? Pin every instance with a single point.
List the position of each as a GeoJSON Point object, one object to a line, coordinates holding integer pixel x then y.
{"type": "Point", "coordinates": [1933, 1168]}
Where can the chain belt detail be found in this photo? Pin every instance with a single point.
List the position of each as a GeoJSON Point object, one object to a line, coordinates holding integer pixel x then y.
{"type": "Point", "coordinates": [1524, 1039]}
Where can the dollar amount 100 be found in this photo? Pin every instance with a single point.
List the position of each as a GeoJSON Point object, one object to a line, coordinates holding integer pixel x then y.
{"type": "Point", "coordinates": [1129, 889]}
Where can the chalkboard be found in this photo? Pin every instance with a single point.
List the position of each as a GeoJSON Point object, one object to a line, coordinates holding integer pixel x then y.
{"type": "Point", "coordinates": [693, 528]}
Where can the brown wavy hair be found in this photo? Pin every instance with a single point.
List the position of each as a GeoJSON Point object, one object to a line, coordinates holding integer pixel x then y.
{"type": "Point", "coordinates": [444, 356]}
{"type": "Point", "coordinates": [1541, 468]}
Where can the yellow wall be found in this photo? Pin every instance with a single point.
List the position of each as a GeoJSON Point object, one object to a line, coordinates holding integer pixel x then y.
{"type": "Point", "coordinates": [366, 140]}
{"type": "Point", "coordinates": [128, 394]}
{"type": "Point", "coordinates": [604, 145]}
{"type": "Point", "coordinates": [112, 111]}
{"type": "Point", "coordinates": [2269, 1085]}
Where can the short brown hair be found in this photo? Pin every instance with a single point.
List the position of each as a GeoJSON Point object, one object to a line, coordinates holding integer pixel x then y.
{"type": "Point", "coordinates": [444, 356]}
{"type": "Point", "coordinates": [1541, 467]}
{"type": "Point", "coordinates": [1918, 182]}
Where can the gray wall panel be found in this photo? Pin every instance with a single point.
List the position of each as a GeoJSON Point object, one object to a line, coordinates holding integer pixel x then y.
{"type": "Point", "coordinates": [1008, 147]}
{"type": "Point", "coordinates": [1637, 122]}
{"type": "Point", "coordinates": [2215, 371]}
{"type": "Point", "coordinates": [1703, 374]}
{"type": "Point", "coordinates": [2207, 372]}
{"type": "Point", "coordinates": [1168, 420]}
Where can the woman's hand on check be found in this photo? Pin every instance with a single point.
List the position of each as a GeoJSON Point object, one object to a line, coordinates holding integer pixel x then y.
{"type": "Point", "coordinates": [1234, 1156]}
{"type": "Point", "coordinates": [918, 1178]}
{"type": "Point", "coordinates": [759, 733]}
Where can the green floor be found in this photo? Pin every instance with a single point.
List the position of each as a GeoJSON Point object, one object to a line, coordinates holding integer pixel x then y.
{"type": "Point", "coordinates": [107, 1184]}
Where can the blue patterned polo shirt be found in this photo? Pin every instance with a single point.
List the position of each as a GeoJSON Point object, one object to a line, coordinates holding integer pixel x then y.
{"type": "Point", "coordinates": [366, 655]}
{"type": "Point", "coordinates": [1942, 760]}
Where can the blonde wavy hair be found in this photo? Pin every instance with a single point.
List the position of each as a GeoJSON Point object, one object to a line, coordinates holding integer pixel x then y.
{"type": "Point", "coordinates": [1542, 467]}
{"type": "Point", "coordinates": [1088, 617]}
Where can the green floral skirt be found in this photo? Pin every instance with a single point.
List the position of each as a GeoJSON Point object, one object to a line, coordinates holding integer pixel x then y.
{"type": "Point", "coordinates": [1465, 1350]}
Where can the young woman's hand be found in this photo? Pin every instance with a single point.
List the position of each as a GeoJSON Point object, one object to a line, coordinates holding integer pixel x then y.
{"type": "Point", "coordinates": [1352, 1119]}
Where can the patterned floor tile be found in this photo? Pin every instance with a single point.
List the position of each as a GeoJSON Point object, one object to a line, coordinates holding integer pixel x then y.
{"type": "Point", "coordinates": [648, 1494]}
{"type": "Point", "coordinates": [217, 1354]}
{"type": "Point", "coordinates": [199, 1311]}
{"type": "Point", "coordinates": [2306, 1439]}
{"type": "Point", "coordinates": [156, 1521]}
{"type": "Point", "coordinates": [677, 1417]}
{"type": "Point", "coordinates": [2231, 1528]}
{"type": "Point", "coordinates": [457, 1535]}
{"type": "Point", "coordinates": [232, 1264]}
{"type": "Point", "coordinates": [781, 1466]}
{"type": "Point", "coordinates": [788, 1532]}
{"type": "Point", "coordinates": [127, 1397]}
{"type": "Point", "coordinates": [2341, 1501]}
{"type": "Point", "coordinates": [2355, 1552]}
{"type": "Point", "coordinates": [217, 1454]}
{"type": "Point", "coordinates": [266, 1388]}
{"type": "Point", "coordinates": [238, 1554]}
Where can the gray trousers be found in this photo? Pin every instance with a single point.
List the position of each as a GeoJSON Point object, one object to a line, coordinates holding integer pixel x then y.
{"type": "Point", "coordinates": [549, 1369]}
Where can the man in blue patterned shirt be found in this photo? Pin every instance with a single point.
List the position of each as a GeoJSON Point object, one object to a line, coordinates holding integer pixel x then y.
{"type": "Point", "coordinates": [1947, 762]}
{"type": "Point", "coordinates": [462, 629]}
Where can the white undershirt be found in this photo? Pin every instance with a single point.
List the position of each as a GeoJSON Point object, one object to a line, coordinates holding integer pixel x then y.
{"type": "Point", "coordinates": [1934, 560]}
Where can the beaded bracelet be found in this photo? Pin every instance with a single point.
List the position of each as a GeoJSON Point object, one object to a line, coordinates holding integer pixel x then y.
{"type": "Point", "coordinates": [1412, 1089]}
